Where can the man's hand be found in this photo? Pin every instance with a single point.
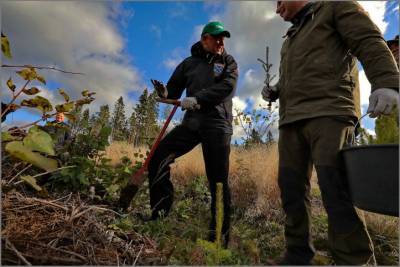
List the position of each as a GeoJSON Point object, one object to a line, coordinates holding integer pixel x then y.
{"type": "Point", "coordinates": [160, 88]}
{"type": "Point", "coordinates": [382, 101]}
{"type": "Point", "coordinates": [189, 103]}
{"type": "Point", "coordinates": [270, 93]}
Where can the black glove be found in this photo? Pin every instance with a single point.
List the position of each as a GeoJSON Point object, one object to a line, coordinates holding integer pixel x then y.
{"type": "Point", "coordinates": [270, 93]}
{"type": "Point", "coordinates": [160, 88]}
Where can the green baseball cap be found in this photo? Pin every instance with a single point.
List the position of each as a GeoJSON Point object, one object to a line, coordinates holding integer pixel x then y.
{"type": "Point", "coordinates": [215, 28]}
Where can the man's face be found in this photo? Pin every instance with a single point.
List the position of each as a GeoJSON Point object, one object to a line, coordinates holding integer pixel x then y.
{"type": "Point", "coordinates": [60, 117]}
{"type": "Point", "coordinates": [395, 51]}
{"type": "Point", "coordinates": [213, 44]}
{"type": "Point", "coordinates": [288, 9]}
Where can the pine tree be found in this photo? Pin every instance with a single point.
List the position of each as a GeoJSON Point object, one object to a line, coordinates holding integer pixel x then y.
{"type": "Point", "coordinates": [84, 123]}
{"type": "Point", "coordinates": [145, 119]}
{"type": "Point", "coordinates": [152, 127]}
{"type": "Point", "coordinates": [118, 121]}
{"type": "Point", "coordinates": [132, 129]}
{"type": "Point", "coordinates": [75, 125]}
{"type": "Point", "coordinates": [103, 117]}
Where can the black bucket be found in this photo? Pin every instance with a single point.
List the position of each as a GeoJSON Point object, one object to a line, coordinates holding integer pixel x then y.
{"type": "Point", "coordinates": [373, 177]}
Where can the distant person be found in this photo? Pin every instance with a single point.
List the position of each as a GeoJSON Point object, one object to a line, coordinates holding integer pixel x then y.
{"type": "Point", "coordinates": [319, 104]}
{"type": "Point", "coordinates": [209, 76]}
{"type": "Point", "coordinates": [60, 133]}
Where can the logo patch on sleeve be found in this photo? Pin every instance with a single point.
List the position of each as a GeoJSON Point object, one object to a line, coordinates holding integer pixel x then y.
{"type": "Point", "coordinates": [218, 68]}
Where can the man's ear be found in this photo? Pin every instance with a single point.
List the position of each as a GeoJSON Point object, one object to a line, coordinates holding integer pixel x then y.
{"type": "Point", "coordinates": [202, 40]}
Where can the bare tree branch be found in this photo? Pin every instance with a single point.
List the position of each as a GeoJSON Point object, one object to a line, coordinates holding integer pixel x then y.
{"type": "Point", "coordinates": [40, 68]}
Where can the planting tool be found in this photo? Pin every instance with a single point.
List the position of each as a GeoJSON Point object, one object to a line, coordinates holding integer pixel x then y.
{"type": "Point", "coordinates": [129, 192]}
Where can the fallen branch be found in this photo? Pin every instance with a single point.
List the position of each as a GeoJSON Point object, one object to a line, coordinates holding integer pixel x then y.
{"type": "Point", "coordinates": [45, 202]}
{"type": "Point", "coordinates": [46, 236]}
{"type": "Point", "coordinates": [64, 251]}
{"type": "Point", "coordinates": [19, 255]}
{"type": "Point", "coordinates": [44, 173]}
{"type": "Point", "coordinates": [138, 255]}
{"type": "Point", "coordinates": [19, 173]}
{"type": "Point", "coordinates": [54, 259]}
{"type": "Point", "coordinates": [40, 68]}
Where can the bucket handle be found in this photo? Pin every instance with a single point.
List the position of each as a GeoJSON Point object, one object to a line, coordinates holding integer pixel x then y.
{"type": "Point", "coordinates": [359, 120]}
{"type": "Point", "coordinates": [352, 142]}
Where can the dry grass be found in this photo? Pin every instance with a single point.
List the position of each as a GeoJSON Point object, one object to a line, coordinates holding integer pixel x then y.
{"type": "Point", "coordinates": [253, 173]}
{"type": "Point", "coordinates": [253, 179]}
{"type": "Point", "coordinates": [252, 176]}
{"type": "Point", "coordinates": [384, 225]}
{"type": "Point", "coordinates": [255, 193]}
{"type": "Point", "coordinates": [117, 150]}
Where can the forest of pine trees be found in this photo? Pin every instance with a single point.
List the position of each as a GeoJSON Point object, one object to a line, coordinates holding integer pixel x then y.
{"type": "Point", "coordinates": [140, 128]}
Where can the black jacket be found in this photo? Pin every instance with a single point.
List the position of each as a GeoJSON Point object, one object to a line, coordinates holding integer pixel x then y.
{"type": "Point", "coordinates": [212, 80]}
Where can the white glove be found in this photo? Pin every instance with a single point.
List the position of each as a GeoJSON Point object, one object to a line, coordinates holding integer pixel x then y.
{"type": "Point", "coordinates": [189, 103]}
{"type": "Point", "coordinates": [382, 101]}
{"type": "Point", "coordinates": [270, 93]}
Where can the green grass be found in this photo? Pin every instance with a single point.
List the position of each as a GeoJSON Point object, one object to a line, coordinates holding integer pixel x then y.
{"type": "Point", "coordinates": [181, 235]}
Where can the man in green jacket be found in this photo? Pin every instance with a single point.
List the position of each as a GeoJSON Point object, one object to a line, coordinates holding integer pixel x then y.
{"type": "Point", "coordinates": [319, 97]}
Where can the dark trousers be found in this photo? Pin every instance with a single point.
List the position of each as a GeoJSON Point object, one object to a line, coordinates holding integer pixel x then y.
{"type": "Point", "coordinates": [216, 150]}
{"type": "Point", "coordinates": [318, 141]}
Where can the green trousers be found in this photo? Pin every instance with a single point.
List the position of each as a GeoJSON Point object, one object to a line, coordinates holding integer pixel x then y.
{"type": "Point", "coordinates": [317, 141]}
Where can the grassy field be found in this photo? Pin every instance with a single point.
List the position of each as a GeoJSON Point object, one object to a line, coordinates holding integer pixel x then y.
{"type": "Point", "coordinates": [257, 223]}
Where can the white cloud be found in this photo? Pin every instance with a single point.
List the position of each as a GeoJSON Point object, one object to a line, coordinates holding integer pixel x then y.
{"type": "Point", "coordinates": [365, 88]}
{"type": "Point", "coordinates": [253, 26]}
{"type": "Point", "coordinates": [156, 30]}
{"type": "Point", "coordinates": [178, 11]}
{"type": "Point", "coordinates": [196, 34]}
{"type": "Point", "coordinates": [176, 57]}
{"type": "Point", "coordinates": [252, 84]}
{"type": "Point", "coordinates": [238, 104]}
{"type": "Point", "coordinates": [376, 10]}
{"type": "Point", "coordinates": [171, 63]}
{"type": "Point", "coordinates": [78, 36]}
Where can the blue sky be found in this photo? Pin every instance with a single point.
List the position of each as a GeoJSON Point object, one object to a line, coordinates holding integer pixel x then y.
{"type": "Point", "coordinates": [163, 29]}
{"type": "Point", "coordinates": [121, 46]}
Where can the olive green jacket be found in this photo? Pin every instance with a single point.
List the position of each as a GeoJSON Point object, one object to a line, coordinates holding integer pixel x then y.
{"type": "Point", "coordinates": [318, 69]}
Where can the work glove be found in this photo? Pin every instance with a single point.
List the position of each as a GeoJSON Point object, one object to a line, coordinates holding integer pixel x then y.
{"type": "Point", "coordinates": [160, 88]}
{"type": "Point", "coordinates": [382, 101]}
{"type": "Point", "coordinates": [189, 103]}
{"type": "Point", "coordinates": [270, 93]}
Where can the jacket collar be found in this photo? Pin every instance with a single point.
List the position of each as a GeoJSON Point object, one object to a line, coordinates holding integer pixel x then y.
{"type": "Point", "coordinates": [304, 14]}
{"type": "Point", "coordinates": [197, 50]}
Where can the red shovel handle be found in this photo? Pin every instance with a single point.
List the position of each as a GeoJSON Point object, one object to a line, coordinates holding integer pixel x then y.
{"type": "Point", "coordinates": [172, 101]}
{"type": "Point", "coordinates": [137, 178]}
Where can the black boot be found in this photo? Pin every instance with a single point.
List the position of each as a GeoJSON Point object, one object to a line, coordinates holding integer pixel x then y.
{"type": "Point", "coordinates": [126, 196]}
{"type": "Point", "coordinates": [287, 260]}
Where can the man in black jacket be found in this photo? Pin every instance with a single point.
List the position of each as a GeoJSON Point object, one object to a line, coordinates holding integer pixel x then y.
{"type": "Point", "coordinates": [209, 76]}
